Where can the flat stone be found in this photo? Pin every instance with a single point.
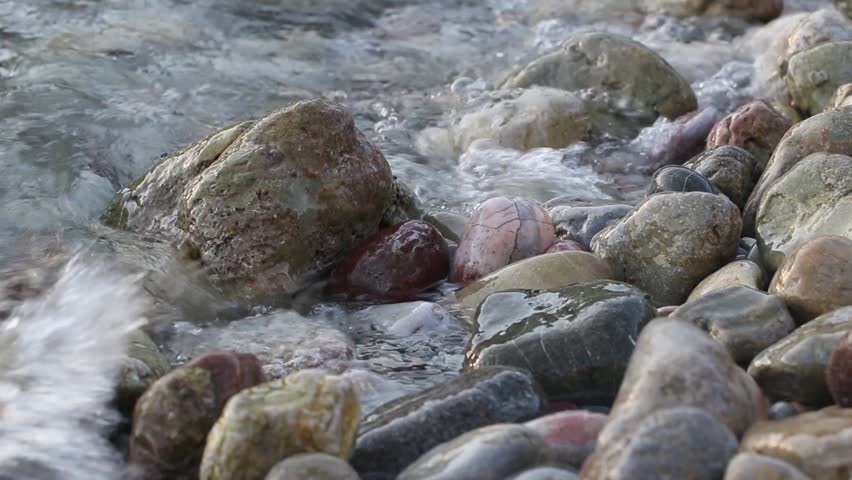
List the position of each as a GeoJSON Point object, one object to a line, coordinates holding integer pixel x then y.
{"type": "Point", "coordinates": [816, 443]}
{"type": "Point", "coordinates": [793, 368]}
{"type": "Point", "coordinates": [744, 320]}
{"type": "Point", "coordinates": [398, 433]}
{"type": "Point", "coordinates": [549, 271]}
{"type": "Point", "coordinates": [576, 340]}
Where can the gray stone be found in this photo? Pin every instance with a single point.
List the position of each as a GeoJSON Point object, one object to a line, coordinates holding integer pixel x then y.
{"type": "Point", "coordinates": [576, 340]}
{"type": "Point", "coordinates": [679, 442]}
{"type": "Point", "coordinates": [729, 168]}
{"type": "Point", "coordinates": [404, 205]}
{"type": "Point", "coordinates": [266, 205]}
{"type": "Point", "coordinates": [307, 466]}
{"type": "Point", "coordinates": [398, 433]}
{"type": "Point", "coordinates": [582, 223]}
{"type": "Point", "coordinates": [793, 368]}
{"type": "Point", "coordinates": [450, 225]}
{"type": "Point", "coordinates": [814, 75]}
{"type": "Point", "coordinates": [546, 473]}
{"type": "Point", "coordinates": [670, 242]}
{"type": "Point", "coordinates": [675, 178]}
{"type": "Point", "coordinates": [750, 466]}
{"type": "Point", "coordinates": [814, 198]}
{"type": "Point", "coordinates": [744, 320]}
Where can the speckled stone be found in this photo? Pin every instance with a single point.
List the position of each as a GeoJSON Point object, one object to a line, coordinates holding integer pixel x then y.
{"type": "Point", "coordinates": [756, 127]}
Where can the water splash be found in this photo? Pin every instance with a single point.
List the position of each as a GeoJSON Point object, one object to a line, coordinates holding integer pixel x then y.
{"type": "Point", "coordinates": [59, 355]}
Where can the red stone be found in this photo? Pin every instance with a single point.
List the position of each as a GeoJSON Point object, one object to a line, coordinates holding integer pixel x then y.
{"type": "Point", "coordinates": [756, 127]}
{"type": "Point", "coordinates": [502, 231]}
{"type": "Point", "coordinates": [395, 263]}
{"type": "Point", "coordinates": [231, 372]}
{"type": "Point", "coordinates": [570, 428]}
{"type": "Point", "coordinates": [839, 372]}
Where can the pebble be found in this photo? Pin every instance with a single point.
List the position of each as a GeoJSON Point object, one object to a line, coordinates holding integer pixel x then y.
{"type": "Point", "coordinates": [581, 223]}
{"type": "Point", "coordinates": [675, 178]}
{"type": "Point", "coordinates": [143, 366]}
{"type": "Point", "coordinates": [575, 340]}
{"type": "Point", "coordinates": [750, 466]}
{"type": "Point", "coordinates": [839, 372]}
{"type": "Point", "coordinates": [317, 466]}
{"type": "Point", "coordinates": [729, 168]}
{"type": "Point", "coordinates": [740, 272]}
{"type": "Point", "coordinates": [756, 127]}
{"type": "Point", "coordinates": [398, 433]}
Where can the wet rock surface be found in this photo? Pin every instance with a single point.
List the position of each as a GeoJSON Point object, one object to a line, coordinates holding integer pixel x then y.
{"type": "Point", "coordinates": [670, 242]}
{"type": "Point", "coordinates": [312, 465]}
{"type": "Point", "coordinates": [815, 278]}
{"type": "Point", "coordinates": [308, 184]}
{"type": "Point", "coordinates": [395, 263]}
{"type": "Point", "coordinates": [815, 74]}
{"type": "Point", "coordinates": [501, 231]}
{"type": "Point", "coordinates": [744, 320]}
{"type": "Point", "coordinates": [142, 367]}
{"type": "Point", "coordinates": [576, 340]}
{"type": "Point", "coordinates": [683, 442]}
{"type": "Point", "coordinates": [305, 412]}
{"type": "Point", "coordinates": [552, 270]}
{"type": "Point", "coordinates": [816, 443]}
{"type": "Point", "coordinates": [582, 223]}
{"type": "Point", "coordinates": [740, 272]}
{"type": "Point", "coordinates": [674, 178]}
{"type": "Point", "coordinates": [794, 368]}
{"type": "Point", "coordinates": [730, 169]}
{"type": "Point", "coordinates": [397, 434]}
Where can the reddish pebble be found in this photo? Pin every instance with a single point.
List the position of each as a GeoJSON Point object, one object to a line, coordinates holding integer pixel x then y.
{"type": "Point", "coordinates": [396, 262]}
{"type": "Point", "coordinates": [839, 372]}
{"type": "Point", "coordinates": [231, 372]}
{"type": "Point", "coordinates": [570, 428]}
{"type": "Point", "coordinates": [566, 246]}
{"type": "Point", "coordinates": [502, 231]}
{"type": "Point", "coordinates": [756, 127]}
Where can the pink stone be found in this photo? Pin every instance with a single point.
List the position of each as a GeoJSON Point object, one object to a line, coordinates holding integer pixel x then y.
{"type": "Point", "coordinates": [839, 372]}
{"type": "Point", "coordinates": [571, 428]}
{"type": "Point", "coordinates": [566, 246]}
{"type": "Point", "coordinates": [756, 127]}
{"type": "Point", "coordinates": [502, 231]}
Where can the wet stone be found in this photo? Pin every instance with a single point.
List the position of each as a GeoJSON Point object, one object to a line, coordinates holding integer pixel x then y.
{"type": "Point", "coordinates": [404, 205]}
{"type": "Point", "coordinates": [576, 340]}
{"type": "Point", "coordinates": [566, 246]}
{"type": "Point", "coordinates": [674, 178]}
{"type": "Point", "coordinates": [756, 127]}
{"type": "Point", "coordinates": [744, 320]}
{"type": "Point", "coordinates": [750, 466]}
{"type": "Point", "coordinates": [319, 466]}
{"type": "Point", "coordinates": [501, 231]}
{"type": "Point", "coordinates": [572, 434]}
{"type": "Point", "coordinates": [816, 278]}
{"type": "Point", "coordinates": [838, 372]}
{"type": "Point", "coordinates": [306, 412]}
{"type": "Point", "coordinates": [398, 433]}
{"type": "Point", "coordinates": [546, 473]}
{"type": "Point", "coordinates": [814, 75]}
{"type": "Point", "coordinates": [582, 223]}
{"type": "Point", "coordinates": [729, 168]}
{"type": "Point", "coordinates": [406, 319]}
{"type": "Point", "coordinates": [490, 453]}
{"type": "Point", "coordinates": [782, 410]}
{"type": "Point", "coordinates": [681, 442]}
{"type": "Point", "coordinates": [793, 368]}
{"type": "Point", "coordinates": [395, 263]}
{"type": "Point", "coordinates": [740, 272]}
{"type": "Point", "coordinates": [813, 199]}
{"type": "Point", "coordinates": [172, 419]}
{"type": "Point", "coordinates": [142, 367]}
{"type": "Point", "coordinates": [816, 443]}
{"type": "Point", "coordinates": [670, 242]}
{"type": "Point", "coordinates": [548, 271]}
{"type": "Point", "coordinates": [450, 225]}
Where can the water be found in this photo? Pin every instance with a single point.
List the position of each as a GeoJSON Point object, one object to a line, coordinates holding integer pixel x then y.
{"type": "Point", "coordinates": [93, 92]}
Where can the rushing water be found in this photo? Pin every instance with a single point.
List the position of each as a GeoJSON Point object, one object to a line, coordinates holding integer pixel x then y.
{"type": "Point", "coordinates": [93, 92]}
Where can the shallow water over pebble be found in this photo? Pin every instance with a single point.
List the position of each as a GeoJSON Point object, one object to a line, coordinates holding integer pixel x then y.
{"type": "Point", "coordinates": [93, 92]}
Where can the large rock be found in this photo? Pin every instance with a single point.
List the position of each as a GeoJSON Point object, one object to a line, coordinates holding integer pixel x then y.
{"type": "Point", "coordinates": [305, 466]}
{"type": "Point", "coordinates": [756, 127]}
{"type": "Point", "coordinates": [582, 223]}
{"type": "Point", "coordinates": [829, 132]}
{"type": "Point", "coordinates": [729, 168]}
{"type": "Point", "coordinates": [607, 68]}
{"type": "Point", "coordinates": [678, 442]}
{"type": "Point", "coordinates": [172, 419]}
{"type": "Point", "coordinates": [398, 433]}
{"type": "Point", "coordinates": [838, 372]}
{"type": "Point", "coordinates": [490, 453]}
{"type": "Point", "coordinates": [396, 263]}
{"type": "Point", "coordinates": [814, 75]}
{"type": "Point", "coordinates": [744, 320]}
{"type": "Point", "coordinates": [266, 204]}
{"type": "Point", "coordinates": [143, 366]}
{"type": "Point", "coordinates": [816, 278]}
{"type": "Point", "coordinates": [670, 242]}
{"type": "Point", "coordinates": [817, 443]}
{"type": "Point", "coordinates": [526, 119]}
{"type": "Point", "coordinates": [675, 364]}
{"type": "Point", "coordinates": [793, 368]}
{"type": "Point", "coordinates": [740, 272]}
{"type": "Point", "coordinates": [552, 270]}
{"type": "Point", "coordinates": [813, 199]}
{"type": "Point", "coordinates": [306, 412]}
{"type": "Point", "coordinates": [501, 231]}
{"type": "Point", "coordinates": [576, 340]}
{"type": "Point", "coordinates": [750, 466]}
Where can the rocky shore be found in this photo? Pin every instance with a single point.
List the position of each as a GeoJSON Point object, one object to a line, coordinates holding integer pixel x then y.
{"type": "Point", "coordinates": [701, 332]}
